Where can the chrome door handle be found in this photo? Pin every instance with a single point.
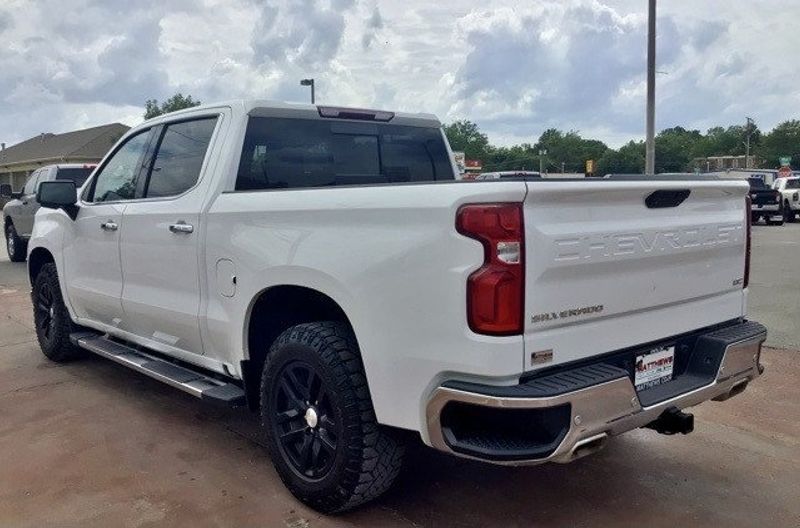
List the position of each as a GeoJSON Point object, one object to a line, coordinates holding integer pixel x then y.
{"type": "Point", "coordinates": [181, 227]}
{"type": "Point", "coordinates": [109, 226]}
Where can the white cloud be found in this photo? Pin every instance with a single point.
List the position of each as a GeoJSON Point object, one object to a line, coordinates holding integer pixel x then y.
{"type": "Point", "coordinates": [514, 68]}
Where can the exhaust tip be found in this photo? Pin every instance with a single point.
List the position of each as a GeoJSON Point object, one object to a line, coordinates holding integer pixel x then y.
{"type": "Point", "coordinates": [735, 391]}
{"type": "Point", "coordinates": [587, 446]}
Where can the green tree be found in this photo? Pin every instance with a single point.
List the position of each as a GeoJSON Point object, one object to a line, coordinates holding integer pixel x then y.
{"type": "Point", "coordinates": [675, 148]}
{"type": "Point", "coordinates": [721, 141]}
{"type": "Point", "coordinates": [629, 159]}
{"type": "Point", "coordinates": [568, 151]}
{"type": "Point", "coordinates": [176, 102]}
{"type": "Point", "coordinates": [517, 157]}
{"type": "Point", "coordinates": [465, 136]}
{"type": "Point", "coordinates": [783, 140]}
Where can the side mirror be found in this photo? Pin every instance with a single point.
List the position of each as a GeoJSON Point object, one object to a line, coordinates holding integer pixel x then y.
{"type": "Point", "coordinates": [6, 191]}
{"type": "Point", "coordinates": [59, 194]}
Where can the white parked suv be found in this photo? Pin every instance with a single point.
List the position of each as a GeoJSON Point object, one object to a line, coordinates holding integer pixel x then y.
{"type": "Point", "coordinates": [324, 266]}
{"type": "Point", "coordinates": [789, 188]}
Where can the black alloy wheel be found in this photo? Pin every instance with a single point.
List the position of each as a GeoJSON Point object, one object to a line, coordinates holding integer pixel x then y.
{"type": "Point", "coordinates": [51, 318]}
{"type": "Point", "coordinates": [305, 423]}
{"type": "Point", "coordinates": [45, 315]}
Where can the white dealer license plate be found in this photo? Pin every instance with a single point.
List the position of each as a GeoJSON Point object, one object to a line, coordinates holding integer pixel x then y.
{"type": "Point", "coordinates": [654, 368]}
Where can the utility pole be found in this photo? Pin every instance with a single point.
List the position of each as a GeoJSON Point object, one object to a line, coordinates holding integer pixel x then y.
{"type": "Point", "coordinates": [749, 132]}
{"type": "Point", "coordinates": [650, 154]}
{"type": "Point", "coordinates": [309, 82]}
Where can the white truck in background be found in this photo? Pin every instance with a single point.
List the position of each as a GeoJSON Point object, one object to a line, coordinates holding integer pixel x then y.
{"type": "Point", "coordinates": [323, 266]}
{"type": "Point", "coordinates": [789, 189]}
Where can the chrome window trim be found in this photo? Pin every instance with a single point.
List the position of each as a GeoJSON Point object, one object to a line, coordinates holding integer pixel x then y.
{"type": "Point", "coordinates": [218, 115]}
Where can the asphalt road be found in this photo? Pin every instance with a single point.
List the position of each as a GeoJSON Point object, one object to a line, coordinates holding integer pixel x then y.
{"type": "Point", "coordinates": [93, 444]}
{"type": "Point", "coordinates": [774, 298]}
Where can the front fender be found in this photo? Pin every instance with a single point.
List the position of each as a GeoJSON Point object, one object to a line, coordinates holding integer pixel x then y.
{"type": "Point", "coordinates": [48, 235]}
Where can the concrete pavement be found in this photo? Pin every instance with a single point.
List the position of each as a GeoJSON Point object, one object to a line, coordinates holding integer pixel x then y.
{"type": "Point", "coordinates": [93, 444]}
{"type": "Point", "coordinates": [775, 283]}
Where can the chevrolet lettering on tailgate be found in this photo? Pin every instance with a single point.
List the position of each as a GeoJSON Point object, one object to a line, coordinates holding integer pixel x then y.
{"type": "Point", "coordinates": [610, 245]}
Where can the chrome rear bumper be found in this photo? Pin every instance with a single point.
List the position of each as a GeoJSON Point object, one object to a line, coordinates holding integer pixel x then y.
{"type": "Point", "coordinates": [606, 409]}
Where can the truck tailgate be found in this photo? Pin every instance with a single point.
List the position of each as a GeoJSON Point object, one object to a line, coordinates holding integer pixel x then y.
{"type": "Point", "coordinates": [605, 271]}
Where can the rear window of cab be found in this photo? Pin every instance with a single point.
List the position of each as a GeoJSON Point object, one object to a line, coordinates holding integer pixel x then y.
{"type": "Point", "coordinates": [280, 153]}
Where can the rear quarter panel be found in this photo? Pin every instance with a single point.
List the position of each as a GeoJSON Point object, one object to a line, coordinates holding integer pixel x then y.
{"type": "Point", "coordinates": [389, 256]}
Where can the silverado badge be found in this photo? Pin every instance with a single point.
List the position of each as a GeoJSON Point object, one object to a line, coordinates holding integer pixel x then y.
{"type": "Point", "coordinates": [565, 314]}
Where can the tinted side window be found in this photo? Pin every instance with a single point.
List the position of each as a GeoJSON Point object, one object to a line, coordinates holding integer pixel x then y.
{"type": "Point", "coordinates": [79, 176]}
{"type": "Point", "coordinates": [117, 179]}
{"type": "Point", "coordinates": [283, 153]}
{"type": "Point", "coordinates": [179, 157]}
{"type": "Point", "coordinates": [30, 185]}
{"type": "Point", "coordinates": [407, 158]}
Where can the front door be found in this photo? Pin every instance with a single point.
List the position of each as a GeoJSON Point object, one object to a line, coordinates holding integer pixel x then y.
{"type": "Point", "coordinates": [160, 239]}
{"type": "Point", "coordinates": [27, 206]}
{"type": "Point", "coordinates": [92, 265]}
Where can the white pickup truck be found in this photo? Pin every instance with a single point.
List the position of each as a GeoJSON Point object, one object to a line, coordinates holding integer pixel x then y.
{"type": "Point", "coordinates": [789, 189]}
{"type": "Point", "coordinates": [324, 266]}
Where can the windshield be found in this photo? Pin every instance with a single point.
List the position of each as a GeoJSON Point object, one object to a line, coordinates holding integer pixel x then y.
{"type": "Point", "coordinates": [78, 175]}
{"type": "Point", "coordinates": [757, 183]}
{"type": "Point", "coordinates": [793, 184]}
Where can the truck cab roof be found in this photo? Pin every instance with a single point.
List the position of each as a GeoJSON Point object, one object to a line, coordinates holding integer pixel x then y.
{"type": "Point", "coordinates": [268, 108]}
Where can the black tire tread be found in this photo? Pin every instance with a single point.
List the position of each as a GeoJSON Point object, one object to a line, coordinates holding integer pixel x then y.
{"type": "Point", "coordinates": [20, 246]}
{"type": "Point", "coordinates": [788, 214]}
{"type": "Point", "coordinates": [373, 464]}
{"type": "Point", "coordinates": [62, 349]}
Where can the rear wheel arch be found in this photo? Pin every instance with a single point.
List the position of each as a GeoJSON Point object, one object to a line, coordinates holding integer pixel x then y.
{"type": "Point", "coordinates": [271, 312]}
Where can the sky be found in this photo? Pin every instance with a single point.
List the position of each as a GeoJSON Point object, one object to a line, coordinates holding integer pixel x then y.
{"type": "Point", "coordinates": [515, 68]}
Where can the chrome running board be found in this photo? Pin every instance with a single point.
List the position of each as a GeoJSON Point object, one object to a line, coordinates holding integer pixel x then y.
{"type": "Point", "coordinates": [190, 381]}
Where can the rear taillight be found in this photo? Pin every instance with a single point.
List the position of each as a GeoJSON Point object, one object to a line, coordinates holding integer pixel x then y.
{"type": "Point", "coordinates": [748, 217]}
{"type": "Point", "coordinates": [496, 291]}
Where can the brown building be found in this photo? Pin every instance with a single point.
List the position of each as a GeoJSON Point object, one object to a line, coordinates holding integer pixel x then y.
{"type": "Point", "coordinates": [81, 146]}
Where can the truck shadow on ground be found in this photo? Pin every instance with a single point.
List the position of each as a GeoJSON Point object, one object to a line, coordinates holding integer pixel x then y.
{"type": "Point", "coordinates": [639, 477]}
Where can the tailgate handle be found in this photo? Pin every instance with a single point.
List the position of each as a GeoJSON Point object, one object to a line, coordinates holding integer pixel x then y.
{"type": "Point", "coordinates": [664, 198]}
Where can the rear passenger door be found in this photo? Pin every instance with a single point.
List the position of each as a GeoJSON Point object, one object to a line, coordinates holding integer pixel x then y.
{"type": "Point", "coordinates": [160, 239]}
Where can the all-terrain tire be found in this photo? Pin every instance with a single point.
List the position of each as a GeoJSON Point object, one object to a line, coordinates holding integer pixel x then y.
{"type": "Point", "coordinates": [788, 214]}
{"type": "Point", "coordinates": [15, 246]}
{"type": "Point", "coordinates": [51, 318]}
{"type": "Point", "coordinates": [317, 366]}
